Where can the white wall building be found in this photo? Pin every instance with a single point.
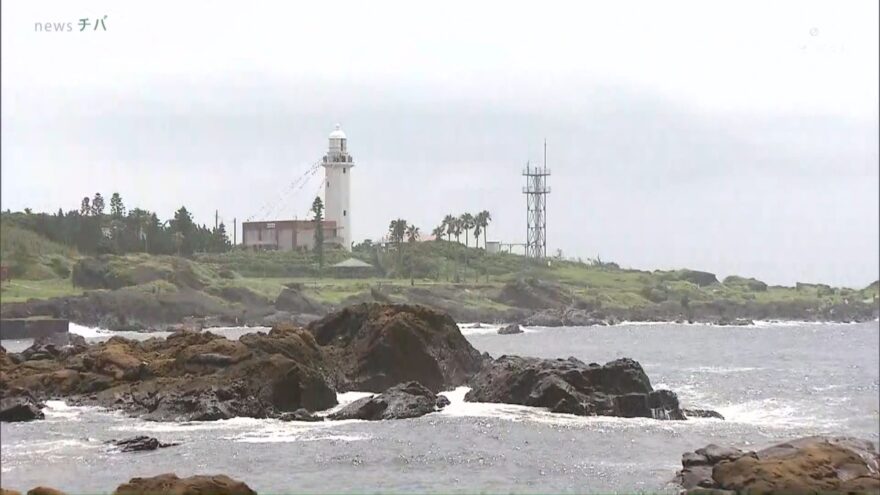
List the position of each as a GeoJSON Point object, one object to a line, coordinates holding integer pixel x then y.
{"type": "Point", "coordinates": [338, 164]}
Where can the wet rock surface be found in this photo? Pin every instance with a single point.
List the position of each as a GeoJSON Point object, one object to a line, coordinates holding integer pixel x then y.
{"type": "Point", "coordinates": [139, 444]}
{"type": "Point", "coordinates": [376, 346]}
{"type": "Point", "coordinates": [702, 413]}
{"type": "Point", "coordinates": [619, 388]}
{"type": "Point", "coordinates": [406, 400]}
{"type": "Point", "coordinates": [200, 376]}
{"type": "Point", "coordinates": [188, 376]}
{"type": "Point", "coordinates": [511, 329]}
{"type": "Point", "coordinates": [300, 415]}
{"type": "Point", "coordinates": [22, 408]}
{"type": "Point", "coordinates": [805, 465]}
{"type": "Point", "coordinates": [217, 484]}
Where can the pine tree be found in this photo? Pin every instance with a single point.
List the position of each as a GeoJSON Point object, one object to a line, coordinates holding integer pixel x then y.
{"type": "Point", "coordinates": [117, 209]}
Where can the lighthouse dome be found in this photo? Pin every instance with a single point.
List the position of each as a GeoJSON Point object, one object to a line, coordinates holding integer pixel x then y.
{"type": "Point", "coordinates": [337, 134]}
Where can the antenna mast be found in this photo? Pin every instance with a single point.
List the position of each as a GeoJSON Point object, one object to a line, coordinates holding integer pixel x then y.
{"type": "Point", "coordinates": [536, 191]}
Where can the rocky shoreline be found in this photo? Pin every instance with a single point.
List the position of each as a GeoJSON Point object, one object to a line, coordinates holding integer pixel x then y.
{"type": "Point", "coordinates": [524, 302]}
{"type": "Point", "coordinates": [406, 354]}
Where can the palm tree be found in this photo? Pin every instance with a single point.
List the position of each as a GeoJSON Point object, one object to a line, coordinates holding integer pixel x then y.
{"type": "Point", "coordinates": [412, 233]}
{"type": "Point", "coordinates": [482, 220]}
{"type": "Point", "coordinates": [449, 224]}
{"type": "Point", "coordinates": [467, 223]}
{"type": "Point", "coordinates": [397, 230]}
{"type": "Point", "coordinates": [438, 232]}
{"type": "Point", "coordinates": [456, 228]}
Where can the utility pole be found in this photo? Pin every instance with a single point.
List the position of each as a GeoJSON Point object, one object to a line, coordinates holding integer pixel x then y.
{"type": "Point", "coordinates": [234, 231]}
{"type": "Point", "coordinates": [216, 219]}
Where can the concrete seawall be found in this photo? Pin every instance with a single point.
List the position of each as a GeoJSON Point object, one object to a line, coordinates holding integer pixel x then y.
{"type": "Point", "coordinates": [33, 328]}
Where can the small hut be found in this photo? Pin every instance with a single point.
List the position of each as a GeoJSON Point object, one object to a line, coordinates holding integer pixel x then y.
{"type": "Point", "coordinates": [353, 268]}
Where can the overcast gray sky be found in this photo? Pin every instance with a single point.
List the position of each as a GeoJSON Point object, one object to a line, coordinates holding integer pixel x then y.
{"type": "Point", "coordinates": [737, 137]}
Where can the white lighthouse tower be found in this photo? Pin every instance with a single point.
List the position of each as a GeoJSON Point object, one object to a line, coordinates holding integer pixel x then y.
{"type": "Point", "coordinates": [338, 164]}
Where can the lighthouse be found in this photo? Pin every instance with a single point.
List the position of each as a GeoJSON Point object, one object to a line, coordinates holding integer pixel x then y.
{"type": "Point", "coordinates": [337, 165]}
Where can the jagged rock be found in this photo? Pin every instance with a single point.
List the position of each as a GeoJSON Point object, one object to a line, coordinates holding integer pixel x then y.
{"type": "Point", "coordinates": [20, 408]}
{"type": "Point", "coordinates": [532, 293]}
{"type": "Point", "coordinates": [406, 400]}
{"type": "Point", "coordinates": [702, 413]}
{"type": "Point", "coordinates": [139, 443]}
{"type": "Point", "coordinates": [42, 348]}
{"type": "Point", "coordinates": [735, 322]}
{"type": "Point", "coordinates": [581, 318]}
{"type": "Point", "coordinates": [377, 346]}
{"type": "Point", "coordinates": [805, 465]}
{"type": "Point", "coordinates": [44, 490]}
{"type": "Point", "coordinates": [293, 300]}
{"type": "Point", "coordinates": [511, 329]}
{"type": "Point", "coordinates": [218, 484]}
{"type": "Point", "coordinates": [300, 415]}
{"type": "Point", "coordinates": [545, 318]}
{"type": "Point", "coordinates": [620, 388]}
{"type": "Point", "coordinates": [188, 376]}
{"type": "Point", "coordinates": [442, 401]}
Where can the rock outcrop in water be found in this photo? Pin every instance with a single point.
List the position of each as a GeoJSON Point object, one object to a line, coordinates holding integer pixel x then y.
{"type": "Point", "coordinates": [21, 408]}
{"type": "Point", "coordinates": [139, 443]}
{"type": "Point", "coordinates": [217, 484]}
{"type": "Point", "coordinates": [805, 465]}
{"type": "Point", "coordinates": [619, 388]}
{"type": "Point", "coordinates": [376, 346]}
{"type": "Point", "coordinates": [406, 400]}
{"type": "Point", "coordinates": [188, 376]}
{"type": "Point", "coordinates": [511, 329]}
{"type": "Point", "coordinates": [195, 376]}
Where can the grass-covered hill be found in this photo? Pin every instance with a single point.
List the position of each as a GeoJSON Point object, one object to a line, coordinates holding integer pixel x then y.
{"type": "Point", "coordinates": [468, 282]}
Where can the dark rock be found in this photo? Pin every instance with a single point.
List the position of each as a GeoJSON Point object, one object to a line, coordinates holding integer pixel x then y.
{"type": "Point", "coordinates": [735, 322]}
{"type": "Point", "coordinates": [702, 413]}
{"type": "Point", "coordinates": [545, 318]}
{"type": "Point", "coordinates": [693, 459]}
{"type": "Point", "coordinates": [406, 400]}
{"type": "Point", "coordinates": [697, 476]}
{"type": "Point", "coordinates": [806, 465]}
{"type": "Point", "coordinates": [42, 348]}
{"type": "Point", "coordinates": [139, 444]}
{"type": "Point", "coordinates": [715, 454]}
{"type": "Point", "coordinates": [300, 415]}
{"type": "Point", "coordinates": [620, 388]}
{"type": "Point", "coordinates": [293, 300]}
{"type": "Point", "coordinates": [442, 401]}
{"type": "Point", "coordinates": [377, 346]}
{"type": "Point", "coordinates": [218, 484]}
{"type": "Point", "coordinates": [511, 329]}
{"type": "Point", "coordinates": [530, 293]}
{"type": "Point", "coordinates": [581, 318]}
{"type": "Point", "coordinates": [212, 359]}
{"type": "Point", "coordinates": [190, 376]}
{"type": "Point", "coordinates": [44, 490]}
{"type": "Point", "coordinates": [20, 408]}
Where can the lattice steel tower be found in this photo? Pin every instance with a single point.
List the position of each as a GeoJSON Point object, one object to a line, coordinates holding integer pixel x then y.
{"type": "Point", "coordinates": [536, 191]}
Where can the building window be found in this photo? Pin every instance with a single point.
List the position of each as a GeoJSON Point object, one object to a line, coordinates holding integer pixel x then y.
{"type": "Point", "coordinates": [259, 234]}
{"type": "Point", "coordinates": [343, 170]}
{"type": "Point", "coordinates": [344, 212]}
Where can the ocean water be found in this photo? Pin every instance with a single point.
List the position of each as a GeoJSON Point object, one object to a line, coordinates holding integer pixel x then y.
{"type": "Point", "coordinates": [771, 381]}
